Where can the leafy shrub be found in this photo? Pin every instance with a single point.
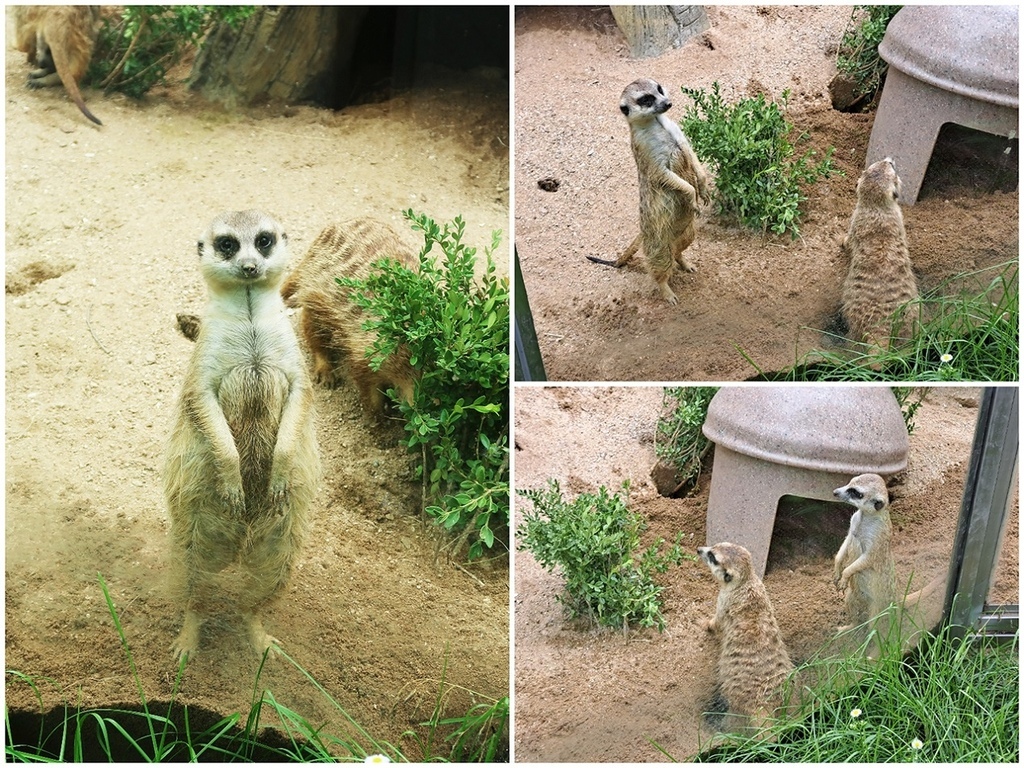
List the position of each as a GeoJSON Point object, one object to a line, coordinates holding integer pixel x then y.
{"type": "Point", "coordinates": [135, 50]}
{"type": "Point", "coordinates": [594, 541]}
{"type": "Point", "coordinates": [456, 329]}
{"type": "Point", "coordinates": [679, 440]}
{"type": "Point", "coordinates": [858, 52]}
{"type": "Point", "coordinates": [758, 174]}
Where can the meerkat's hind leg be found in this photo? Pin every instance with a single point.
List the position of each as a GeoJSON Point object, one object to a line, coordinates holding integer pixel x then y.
{"type": "Point", "coordinates": [684, 241]}
{"type": "Point", "coordinates": [626, 255]}
{"type": "Point", "coordinates": [187, 642]}
{"type": "Point", "coordinates": [260, 640]}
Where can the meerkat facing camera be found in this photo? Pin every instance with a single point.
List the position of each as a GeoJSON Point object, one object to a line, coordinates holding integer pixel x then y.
{"type": "Point", "coordinates": [881, 277]}
{"type": "Point", "coordinates": [864, 565]}
{"type": "Point", "coordinates": [753, 663]}
{"type": "Point", "coordinates": [673, 184]}
{"type": "Point", "coordinates": [241, 465]}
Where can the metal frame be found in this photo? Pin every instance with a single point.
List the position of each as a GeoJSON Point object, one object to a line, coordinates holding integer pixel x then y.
{"type": "Point", "coordinates": [988, 492]}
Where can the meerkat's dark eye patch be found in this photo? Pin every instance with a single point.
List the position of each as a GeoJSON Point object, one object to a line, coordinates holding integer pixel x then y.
{"type": "Point", "coordinates": [226, 245]}
{"type": "Point", "coordinates": [647, 100]}
{"type": "Point", "coordinates": [854, 493]}
{"type": "Point", "coordinates": [711, 558]}
{"type": "Point", "coordinates": [264, 242]}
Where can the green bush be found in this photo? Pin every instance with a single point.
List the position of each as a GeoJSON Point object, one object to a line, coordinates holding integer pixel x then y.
{"type": "Point", "coordinates": [135, 50]}
{"type": "Point", "coordinates": [456, 329]}
{"type": "Point", "coordinates": [594, 541]}
{"type": "Point", "coordinates": [758, 175]}
{"type": "Point", "coordinates": [858, 52]}
{"type": "Point", "coordinates": [679, 440]}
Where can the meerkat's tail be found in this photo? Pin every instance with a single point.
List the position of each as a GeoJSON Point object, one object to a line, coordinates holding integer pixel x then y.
{"type": "Point", "coordinates": [63, 67]}
{"type": "Point", "coordinates": [608, 262]}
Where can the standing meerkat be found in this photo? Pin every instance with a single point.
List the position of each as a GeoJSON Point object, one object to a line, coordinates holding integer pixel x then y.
{"type": "Point", "coordinates": [754, 663]}
{"type": "Point", "coordinates": [242, 464]}
{"type": "Point", "coordinates": [881, 277]}
{"type": "Point", "coordinates": [672, 181]}
{"type": "Point", "coordinates": [331, 320]}
{"type": "Point", "coordinates": [59, 40]}
{"type": "Point", "coordinates": [864, 565]}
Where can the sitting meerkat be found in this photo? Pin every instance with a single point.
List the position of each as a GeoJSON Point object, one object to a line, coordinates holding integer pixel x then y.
{"type": "Point", "coordinates": [332, 322]}
{"type": "Point", "coordinates": [880, 278]}
{"type": "Point", "coordinates": [241, 465]}
{"type": "Point", "coordinates": [754, 663]}
{"type": "Point", "coordinates": [673, 183]}
{"type": "Point", "coordinates": [864, 565]}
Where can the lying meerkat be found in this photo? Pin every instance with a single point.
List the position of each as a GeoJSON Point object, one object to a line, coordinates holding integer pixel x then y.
{"type": "Point", "coordinates": [864, 565]}
{"type": "Point", "coordinates": [880, 277]}
{"type": "Point", "coordinates": [672, 181]}
{"type": "Point", "coordinates": [59, 40]}
{"type": "Point", "coordinates": [331, 320]}
{"type": "Point", "coordinates": [754, 663]}
{"type": "Point", "coordinates": [241, 465]}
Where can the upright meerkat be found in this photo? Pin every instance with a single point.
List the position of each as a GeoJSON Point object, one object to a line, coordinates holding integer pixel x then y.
{"type": "Point", "coordinates": [242, 464]}
{"type": "Point", "coordinates": [881, 277]}
{"type": "Point", "coordinates": [754, 663]}
{"type": "Point", "coordinates": [331, 320]}
{"type": "Point", "coordinates": [59, 40]}
{"type": "Point", "coordinates": [672, 181]}
{"type": "Point", "coordinates": [864, 565]}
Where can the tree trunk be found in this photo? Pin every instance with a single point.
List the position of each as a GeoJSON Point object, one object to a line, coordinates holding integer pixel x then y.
{"type": "Point", "coordinates": [285, 54]}
{"type": "Point", "coordinates": [651, 30]}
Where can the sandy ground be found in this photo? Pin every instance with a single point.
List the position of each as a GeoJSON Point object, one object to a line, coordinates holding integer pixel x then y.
{"type": "Point", "coordinates": [764, 296]}
{"type": "Point", "coordinates": [588, 695]}
{"type": "Point", "coordinates": [101, 226]}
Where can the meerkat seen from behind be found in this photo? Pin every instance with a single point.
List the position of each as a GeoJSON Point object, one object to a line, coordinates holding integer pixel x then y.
{"type": "Point", "coordinates": [881, 277]}
{"type": "Point", "coordinates": [753, 663]}
{"type": "Point", "coordinates": [59, 40]}
{"type": "Point", "coordinates": [242, 463]}
{"type": "Point", "coordinates": [864, 565]}
{"type": "Point", "coordinates": [331, 320]}
{"type": "Point", "coordinates": [673, 184]}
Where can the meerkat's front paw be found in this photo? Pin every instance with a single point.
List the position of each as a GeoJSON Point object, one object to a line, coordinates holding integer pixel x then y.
{"type": "Point", "coordinates": [710, 625]}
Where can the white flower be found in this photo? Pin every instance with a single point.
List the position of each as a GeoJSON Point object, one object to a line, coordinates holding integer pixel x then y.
{"type": "Point", "coordinates": [946, 358]}
{"type": "Point", "coordinates": [916, 744]}
{"type": "Point", "coordinates": [377, 759]}
{"type": "Point", "coordinates": [855, 712]}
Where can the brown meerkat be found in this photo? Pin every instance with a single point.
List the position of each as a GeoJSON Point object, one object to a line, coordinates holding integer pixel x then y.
{"type": "Point", "coordinates": [881, 277]}
{"type": "Point", "coordinates": [864, 565]}
{"type": "Point", "coordinates": [59, 40]}
{"type": "Point", "coordinates": [331, 320]}
{"type": "Point", "coordinates": [754, 663]}
{"type": "Point", "coordinates": [673, 184]}
{"type": "Point", "coordinates": [241, 465]}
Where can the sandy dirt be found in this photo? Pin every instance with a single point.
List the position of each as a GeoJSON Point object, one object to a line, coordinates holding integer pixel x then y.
{"type": "Point", "coordinates": [765, 296]}
{"type": "Point", "coordinates": [596, 695]}
{"type": "Point", "coordinates": [101, 226]}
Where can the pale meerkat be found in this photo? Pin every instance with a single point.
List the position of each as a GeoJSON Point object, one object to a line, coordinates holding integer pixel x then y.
{"type": "Point", "coordinates": [753, 663]}
{"type": "Point", "coordinates": [673, 184]}
{"type": "Point", "coordinates": [881, 277]}
{"type": "Point", "coordinates": [331, 320]}
{"type": "Point", "coordinates": [864, 565]}
{"type": "Point", "coordinates": [59, 40]}
{"type": "Point", "coordinates": [241, 465]}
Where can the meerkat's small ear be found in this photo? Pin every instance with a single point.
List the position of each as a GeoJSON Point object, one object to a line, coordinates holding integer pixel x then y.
{"type": "Point", "coordinates": [199, 247]}
{"type": "Point", "coordinates": [625, 109]}
{"type": "Point", "coordinates": [879, 505]}
{"type": "Point", "coordinates": [726, 576]}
